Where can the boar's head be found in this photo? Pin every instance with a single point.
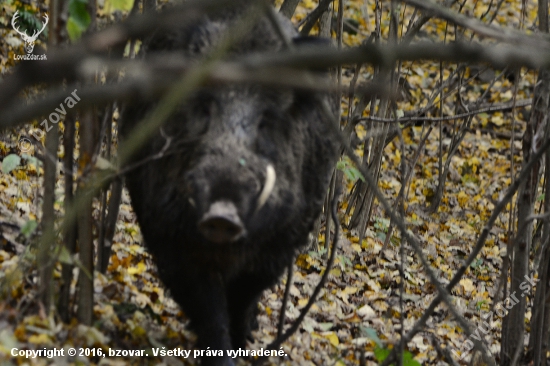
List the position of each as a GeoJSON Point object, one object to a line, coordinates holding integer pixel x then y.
{"type": "Point", "coordinates": [232, 179]}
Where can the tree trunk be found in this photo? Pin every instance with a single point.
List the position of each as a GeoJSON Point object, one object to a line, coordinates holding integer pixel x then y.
{"type": "Point", "coordinates": [85, 220]}
{"type": "Point", "coordinates": [514, 322]}
{"type": "Point", "coordinates": [70, 232]}
{"type": "Point", "coordinates": [513, 326]}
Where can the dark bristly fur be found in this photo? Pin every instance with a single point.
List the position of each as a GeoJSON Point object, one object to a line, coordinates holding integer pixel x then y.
{"type": "Point", "coordinates": [222, 141]}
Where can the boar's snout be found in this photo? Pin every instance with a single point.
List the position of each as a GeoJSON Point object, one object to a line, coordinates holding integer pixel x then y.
{"type": "Point", "coordinates": [224, 204]}
{"type": "Point", "coordinates": [221, 223]}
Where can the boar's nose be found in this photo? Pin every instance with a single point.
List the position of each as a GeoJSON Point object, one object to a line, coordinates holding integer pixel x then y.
{"type": "Point", "coordinates": [221, 223]}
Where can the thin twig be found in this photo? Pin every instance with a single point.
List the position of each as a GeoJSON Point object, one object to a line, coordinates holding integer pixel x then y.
{"type": "Point", "coordinates": [277, 342]}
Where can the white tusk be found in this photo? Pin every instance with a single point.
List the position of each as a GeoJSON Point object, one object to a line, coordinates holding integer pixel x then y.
{"type": "Point", "coordinates": [269, 184]}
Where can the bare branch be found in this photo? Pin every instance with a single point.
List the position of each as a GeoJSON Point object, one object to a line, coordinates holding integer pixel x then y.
{"type": "Point", "coordinates": [506, 35]}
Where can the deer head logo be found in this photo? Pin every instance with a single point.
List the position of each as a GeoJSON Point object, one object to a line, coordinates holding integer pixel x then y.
{"type": "Point", "coordinates": [29, 40]}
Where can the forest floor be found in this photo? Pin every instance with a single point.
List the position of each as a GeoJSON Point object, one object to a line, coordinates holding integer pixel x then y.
{"type": "Point", "coordinates": [366, 301]}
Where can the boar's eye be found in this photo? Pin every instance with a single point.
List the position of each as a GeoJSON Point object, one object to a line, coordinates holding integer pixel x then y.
{"type": "Point", "coordinates": [203, 105]}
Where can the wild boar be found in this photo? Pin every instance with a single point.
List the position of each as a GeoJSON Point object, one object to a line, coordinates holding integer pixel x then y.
{"type": "Point", "coordinates": [242, 178]}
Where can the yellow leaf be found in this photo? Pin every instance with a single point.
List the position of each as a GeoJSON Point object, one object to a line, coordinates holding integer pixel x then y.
{"type": "Point", "coordinates": [463, 199]}
{"type": "Point", "coordinates": [302, 261]}
{"type": "Point", "coordinates": [302, 302]}
{"type": "Point", "coordinates": [135, 249]}
{"type": "Point", "coordinates": [498, 144]}
{"type": "Point", "coordinates": [397, 157]}
{"type": "Point", "coordinates": [139, 331]}
{"type": "Point", "coordinates": [40, 339]}
{"type": "Point", "coordinates": [497, 120]}
{"type": "Point", "coordinates": [20, 174]}
{"type": "Point", "coordinates": [20, 333]}
{"type": "Point", "coordinates": [333, 338]}
{"type": "Point", "coordinates": [140, 268]}
{"type": "Point", "coordinates": [350, 290]}
{"type": "Point", "coordinates": [467, 284]}
{"type": "Point", "coordinates": [506, 96]}
{"type": "Point", "coordinates": [360, 130]}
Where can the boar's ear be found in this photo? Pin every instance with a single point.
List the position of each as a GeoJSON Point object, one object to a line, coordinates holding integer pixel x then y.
{"type": "Point", "coordinates": [312, 42]}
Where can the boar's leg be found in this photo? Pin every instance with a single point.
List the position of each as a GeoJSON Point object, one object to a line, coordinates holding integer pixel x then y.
{"type": "Point", "coordinates": [202, 297]}
{"type": "Point", "coordinates": [243, 295]}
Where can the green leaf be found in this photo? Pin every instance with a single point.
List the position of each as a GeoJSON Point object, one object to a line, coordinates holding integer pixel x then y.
{"type": "Point", "coordinates": [29, 228]}
{"type": "Point", "coordinates": [381, 223]}
{"type": "Point", "coordinates": [73, 30]}
{"type": "Point", "coordinates": [65, 257]}
{"type": "Point", "coordinates": [345, 260]}
{"type": "Point", "coordinates": [79, 12]}
{"type": "Point", "coordinates": [317, 254]}
{"type": "Point", "coordinates": [479, 304]}
{"type": "Point", "coordinates": [31, 160]}
{"type": "Point", "coordinates": [114, 5]}
{"type": "Point", "coordinates": [381, 236]}
{"type": "Point", "coordinates": [408, 360]}
{"type": "Point", "coordinates": [123, 5]}
{"type": "Point", "coordinates": [371, 333]}
{"type": "Point", "coordinates": [10, 162]}
{"type": "Point", "coordinates": [476, 263]}
{"type": "Point", "coordinates": [79, 19]}
{"type": "Point", "coordinates": [350, 171]}
{"type": "Point", "coordinates": [381, 353]}
{"type": "Point", "coordinates": [354, 174]}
